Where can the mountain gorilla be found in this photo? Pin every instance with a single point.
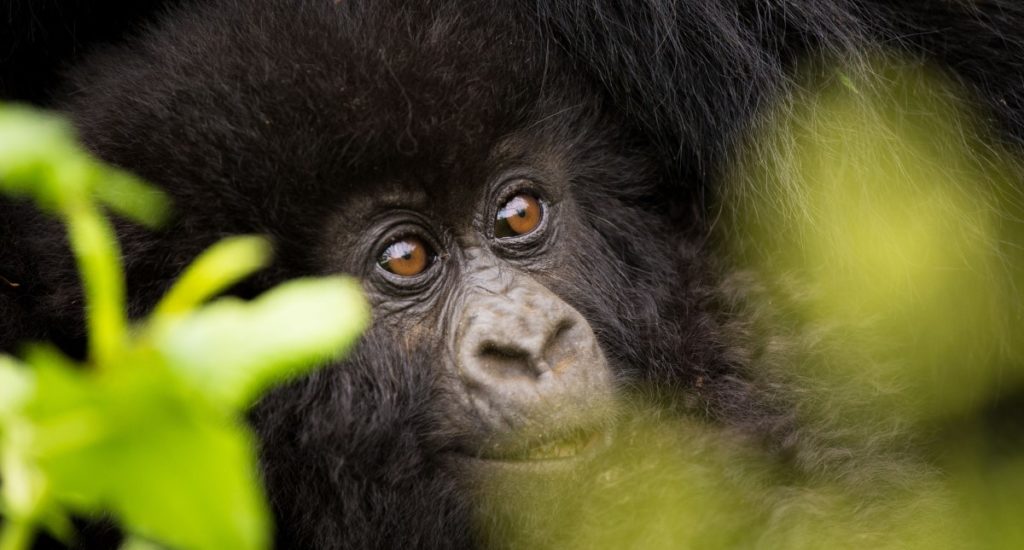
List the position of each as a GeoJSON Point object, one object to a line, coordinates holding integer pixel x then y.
{"type": "Point", "coordinates": [522, 191]}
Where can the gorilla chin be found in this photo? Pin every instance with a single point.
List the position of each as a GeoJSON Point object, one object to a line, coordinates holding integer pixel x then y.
{"type": "Point", "coordinates": [560, 455]}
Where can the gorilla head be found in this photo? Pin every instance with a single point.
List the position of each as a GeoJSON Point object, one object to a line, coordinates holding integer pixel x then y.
{"type": "Point", "coordinates": [499, 189]}
{"type": "Point", "coordinates": [492, 206]}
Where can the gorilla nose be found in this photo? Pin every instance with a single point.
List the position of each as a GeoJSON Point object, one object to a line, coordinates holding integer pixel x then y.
{"type": "Point", "coordinates": [528, 366]}
{"type": "Point", "coordinates": [528, 349]}
{"type": "Point", "coordinates": [525, 342]}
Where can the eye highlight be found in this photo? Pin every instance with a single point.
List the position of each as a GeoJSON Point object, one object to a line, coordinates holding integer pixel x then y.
{"type": "Point", "coordinates": [406, 257]}
{"type": "Point", "coordinates": [519, 216]}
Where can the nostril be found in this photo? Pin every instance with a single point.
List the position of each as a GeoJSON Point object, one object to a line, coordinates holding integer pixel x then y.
{"type": "Point", "coordinates": [559, 341]}
{"type": "Point", "coordinates": [560, 332]}
{"type": "Point", "coordinates": [493, 349]}
{"type": "Point", "coordinates": [531, 355]}
{"type": "Point", "coordinates": [506, 361]}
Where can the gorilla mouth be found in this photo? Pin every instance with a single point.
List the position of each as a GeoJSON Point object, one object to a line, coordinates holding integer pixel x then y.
{"type": "Point", "coordinates": [569, 447]}
{"type": "Point", "coordinates": [565, 447]}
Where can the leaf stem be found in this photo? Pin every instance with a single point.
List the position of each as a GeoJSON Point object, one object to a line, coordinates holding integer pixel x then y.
{"type": "Point", "coordinates": [16, 535]}
{"type": "Point", "coordinates": [99, 261]}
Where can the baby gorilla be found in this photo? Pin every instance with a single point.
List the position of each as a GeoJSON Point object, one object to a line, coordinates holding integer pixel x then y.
{"type": "Point", "coordinates": [543, 202]}
{"type": "Point", "coordinates": [496, 211]}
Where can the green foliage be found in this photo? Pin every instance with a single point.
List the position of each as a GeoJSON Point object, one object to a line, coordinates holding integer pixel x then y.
{"type": "Point", "coordinates": [150, 430]}
{"type": "Point", "coordinates": [882, 201]}
{"type": "Point", "coordinates": [886, 227]}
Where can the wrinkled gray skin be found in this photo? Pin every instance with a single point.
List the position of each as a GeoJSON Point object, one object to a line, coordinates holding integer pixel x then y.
{"type": "Point", "coordinates": [527, 362]}
{"type": "Point", "coordinates": [521, 366]}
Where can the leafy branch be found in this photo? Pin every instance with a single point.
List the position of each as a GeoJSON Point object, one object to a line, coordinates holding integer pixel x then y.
{"type": "Point", "coordinates": [150, 430]}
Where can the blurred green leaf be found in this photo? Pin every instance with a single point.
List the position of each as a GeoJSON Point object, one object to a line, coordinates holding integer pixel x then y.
{"type": "Point", "coordinates": [99, 261]}
{"type": "Point", "coordinates": [128, 196]}
{"type": "Point", "coordinates": [16, 386]}
{"type": "Point", "coordinates": [234, 350]}
{"type": "Point", "coordinates": [136, 543]}
{"type": "Point", "coordinates": [140, 444]}
{"type": "Point", "coordinates": [886, 218]}
{"type": "Point", "coordinates": [216, 269]}
{"type": "Point", "coordinates": [40, 158]}
{"type": "Point", "coordinates": [150, 433]}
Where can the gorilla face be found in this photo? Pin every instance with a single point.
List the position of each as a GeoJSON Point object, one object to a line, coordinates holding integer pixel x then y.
{"type": "Point", "coordinates": [508, 290]}
{"type": "Point", "coordinates": [474, 274]}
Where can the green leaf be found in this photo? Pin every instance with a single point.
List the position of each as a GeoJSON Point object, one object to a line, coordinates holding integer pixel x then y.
{"type": "Point", "coordinates": [233, 350]}
{"type": "Point", "coordinates": [16, 535]}
{"type": "Point", "coordinates": [136, 543]}
{"type": "Point", "coordinates": [99, 261]}
{"type": "Point", "coordinates": [16, 385]}
{"type": "Point", "coordinates": [35, 148]}
{"type": "Point", "coordinates": [140, 444]}
{"type": "Point", "coordinates": [188, 482]}
{"type": "Point", "coordinates": [206, 494]}
{"type": "Point", "coordinates": [216, 269]}
{"type": "Point", "coordinates": [41, 158]}
{"type": "Point", "coordinates": [150, 434]}
{"type": "Point", "coordinates": [130, 197]}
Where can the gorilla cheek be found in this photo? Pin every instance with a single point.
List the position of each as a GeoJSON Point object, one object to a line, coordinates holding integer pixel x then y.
{"type": "Point", "coordinates": [532, 387]}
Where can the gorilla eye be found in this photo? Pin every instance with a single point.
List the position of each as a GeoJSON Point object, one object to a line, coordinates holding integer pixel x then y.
{"type": "Point", "coordinates": [406, 257]}
{"type": "Point", "coordinates": [519, 216]}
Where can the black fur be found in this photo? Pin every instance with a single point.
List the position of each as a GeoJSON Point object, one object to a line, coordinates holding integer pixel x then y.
{"type": "Point", "coordinates": [261, 117]}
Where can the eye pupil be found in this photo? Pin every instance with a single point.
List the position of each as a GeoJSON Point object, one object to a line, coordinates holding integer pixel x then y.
{"type": "Point", "coordinates": [519, 216]}
{"type": "Point", "coordinates": [406, 257]}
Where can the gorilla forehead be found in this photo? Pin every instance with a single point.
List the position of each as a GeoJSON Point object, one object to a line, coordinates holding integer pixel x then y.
{"type": "Point", "coordinates": [235, 98]}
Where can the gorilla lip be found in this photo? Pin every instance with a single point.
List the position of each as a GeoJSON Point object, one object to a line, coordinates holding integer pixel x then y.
{"type": "Point", "coordinates": [560, 448]}
{"type": "Point", "coordinates": [572, 445]}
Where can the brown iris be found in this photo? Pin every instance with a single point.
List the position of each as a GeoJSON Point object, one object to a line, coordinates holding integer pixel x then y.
{"type": "Point", "coordinates": [520, 215]}
{"type": "Point", "coordinates": [406, 257]}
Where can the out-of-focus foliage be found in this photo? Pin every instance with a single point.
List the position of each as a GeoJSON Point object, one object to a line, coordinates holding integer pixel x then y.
{"type": "Point", "coordinates": [150, 430]}
{"type": "Point", "coordinates": [885, 226]}
{"type": "Point", "coordinates": [668, 483]}
{"type": "Point", "coordinates": [892, 214]}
